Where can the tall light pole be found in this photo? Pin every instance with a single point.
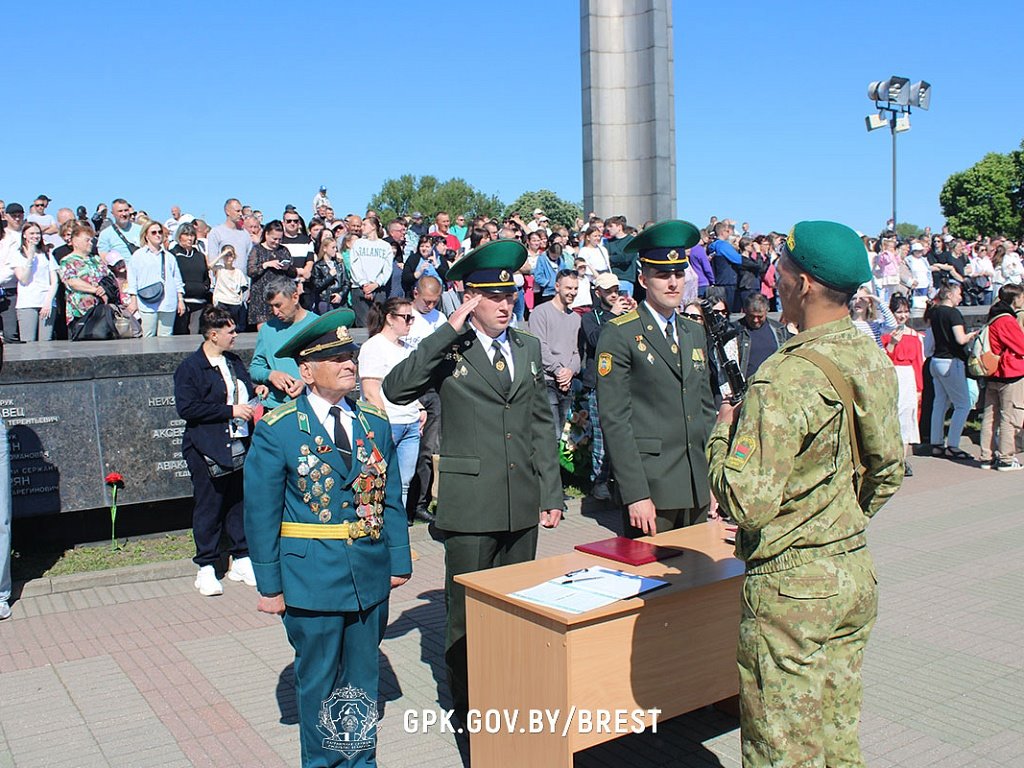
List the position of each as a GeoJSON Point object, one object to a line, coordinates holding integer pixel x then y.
{"type": "Point", "coordinates": [893, 99]}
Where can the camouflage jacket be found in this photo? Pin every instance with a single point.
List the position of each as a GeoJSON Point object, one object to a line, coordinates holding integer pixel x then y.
{"type": "Point", "coordinates": [784, 472]}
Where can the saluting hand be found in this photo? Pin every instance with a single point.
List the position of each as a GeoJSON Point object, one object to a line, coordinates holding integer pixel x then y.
{"type": "Point", "coordinates": [458, 317]}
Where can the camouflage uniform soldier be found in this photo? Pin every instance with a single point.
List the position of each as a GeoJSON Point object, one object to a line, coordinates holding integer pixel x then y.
{"type": "Point", "coordinates": [785, 468]}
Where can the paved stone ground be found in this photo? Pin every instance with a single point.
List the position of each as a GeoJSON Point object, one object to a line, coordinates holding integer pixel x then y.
{"type": "Point", "coordinates": [151, 674]}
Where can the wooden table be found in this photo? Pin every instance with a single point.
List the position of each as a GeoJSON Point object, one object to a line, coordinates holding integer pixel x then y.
{"type": "Point", "coordinates": [673, 650]}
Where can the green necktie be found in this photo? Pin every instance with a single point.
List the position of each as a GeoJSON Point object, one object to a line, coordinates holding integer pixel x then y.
{"type": "Point", "coordinates": [501, 367]}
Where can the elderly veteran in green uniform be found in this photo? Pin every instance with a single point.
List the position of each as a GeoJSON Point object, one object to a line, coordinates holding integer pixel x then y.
{"type": "Point", "coordinates": [802, 466]}
{"type": "Point", "coordinates": [654, 392]}
{"type": "Point", "coordinates": [328, 540]}
{"type": "Point", "coordinates": [498, 467]}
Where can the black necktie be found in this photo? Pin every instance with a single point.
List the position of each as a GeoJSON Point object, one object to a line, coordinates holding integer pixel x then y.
{"type": "Point", "coordinates": [504, 376]}
{"type": "Point", "coordinates": [341, 441]}
{"type": "Point", "coordinates": [670, 331]}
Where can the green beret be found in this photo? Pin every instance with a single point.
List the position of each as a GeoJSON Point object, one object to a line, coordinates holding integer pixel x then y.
{"type": "Point", "coordinates": [663, 245]}
{"type": "Point", "coordinates": [324, 338]}
{"type": "Point", "coordinates": [831, 253]}
{"type": "Point", "coordinates": [490, 267]}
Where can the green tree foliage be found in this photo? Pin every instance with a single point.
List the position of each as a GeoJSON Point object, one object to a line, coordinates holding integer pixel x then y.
{"type": "Point", "coordinates": [428, 195]}
{"type": "Point", "coordinates": [906, 230]}
{"type": "Point", "coordinates": [987, 198]}
{"type": "Point", "coordinates": [559, 211]}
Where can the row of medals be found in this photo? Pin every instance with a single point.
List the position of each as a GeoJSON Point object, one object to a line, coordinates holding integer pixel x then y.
{"type": "Point", "coordinates": [368, 488]}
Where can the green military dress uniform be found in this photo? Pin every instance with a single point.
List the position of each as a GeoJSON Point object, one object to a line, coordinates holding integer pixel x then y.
{"type": "Point", "coordinates": [498, 466]}
{"type": "Point", "coordinates": [328, 531]}
{"type": "Point", "coordinates": [654, 396]}
{"type": "Point", "coordinates": [785, 473]}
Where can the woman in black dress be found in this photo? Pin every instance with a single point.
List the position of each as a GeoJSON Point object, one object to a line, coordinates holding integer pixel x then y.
{"type": "Point", "coordinates": [267, 258]}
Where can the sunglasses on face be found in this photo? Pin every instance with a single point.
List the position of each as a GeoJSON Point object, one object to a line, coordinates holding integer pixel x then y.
{"type": "Point", "coordinates": [694, 316]}
{"type": "Point", "coordinates": [722, 312]}
{"type": "Point", "coordinates": [407, 318]}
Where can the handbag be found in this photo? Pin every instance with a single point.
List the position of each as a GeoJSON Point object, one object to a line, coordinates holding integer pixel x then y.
{"type": "Point", "coordinates": [154, 292]}
{"type": "Point", "coordinates": [131, 248]}
{"type": "Point", "coordinates": [238, 451]}
{"type": "Point", "coordinates": [98, 324]}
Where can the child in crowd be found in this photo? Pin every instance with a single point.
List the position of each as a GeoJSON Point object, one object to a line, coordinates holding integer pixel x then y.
{"type": "Point", "coordinates": [230, 285]}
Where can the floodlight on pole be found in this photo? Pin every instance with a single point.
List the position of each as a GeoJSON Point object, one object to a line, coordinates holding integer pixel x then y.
{"type": "Point", "coordinates": [894, 98]}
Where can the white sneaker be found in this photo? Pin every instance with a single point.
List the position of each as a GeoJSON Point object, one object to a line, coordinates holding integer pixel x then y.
{"type": "Point", "coordinates": [207, 582]}
{"type": "Point", "coordinates": [5, 610]}
{"type": "Point", "coordinates": [241, 570]}
{"type": "Point", "coordinates": [1009, 466]}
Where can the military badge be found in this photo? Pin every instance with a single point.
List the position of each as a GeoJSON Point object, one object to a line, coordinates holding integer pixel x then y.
{"type": "Point", "coordinates": [604, 363]}
{"type": "Point", "coordinates": [504, 276]}
{"type": "Point", "coordinates": [315, 507]}
{"type": "Point", "coordinates": [325, 499]}
{"type": "Point", "coordinates": [533, 368]}
{"type": "Point", "coordinates": [698, 355]}
{"type": "Point", "coordinates": [650, 358]}
{"type": "Point", "coordinates": [302, 484]}
{"type": "Point", "coordinates": [675, 349]}
{"type": "Point", "coordinates": [312, 461]}
{"type": "Point", "coordinates": [319, 440]}
{"type": "Point", "coordinates": [328, 483]}
{"type": "Point", "coordinates": [304, 449]}
{"type": "Point", "coordinates": [323, 449]}
{"type": "Point", "coordinates": [500, 365]}
{"type": "Point", "coordinates": [463, 370]}
{"type": "Point", "coordinates": [306, 498]}
{"type": "Point", "coordinates": [743, 448]}
{"type": "Point", "coordinates": [641, 347]}
{"type": "Point", "coordinates": [325, 470]}
{"type": "Point", "coordinates": [325, 516]}
{"type": "Point", "coordinates": [303, 469]}
{"type": "Point", "coordinates": [317, 489]}
{"type": "Point", "coordinates": [315, 475]}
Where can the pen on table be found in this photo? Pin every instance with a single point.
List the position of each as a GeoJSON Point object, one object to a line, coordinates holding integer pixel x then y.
{"type": "Point", "coordinates": [584, 578]}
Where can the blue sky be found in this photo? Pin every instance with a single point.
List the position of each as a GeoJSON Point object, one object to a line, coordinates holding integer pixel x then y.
{"type": "Point", "coordinates": [190, 102]}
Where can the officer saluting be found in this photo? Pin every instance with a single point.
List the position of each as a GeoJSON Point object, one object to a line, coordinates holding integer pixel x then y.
{"type": "Point", "coordinates": [498, 468]}
{"type": "Point", "coordinates": [328, 540]}
{"type": "Point", "coordinates": [654, 392]}
{"type": "Point", "coordinates": [814, 453]}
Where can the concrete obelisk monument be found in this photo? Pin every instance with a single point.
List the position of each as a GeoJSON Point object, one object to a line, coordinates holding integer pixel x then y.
{"type": "Point", "coordinates": [629, 127]}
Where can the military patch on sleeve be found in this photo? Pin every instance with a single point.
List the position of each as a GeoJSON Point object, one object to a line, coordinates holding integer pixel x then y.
{"type": "Point", "coordinates": [742, 449]}
{"type": "Point", "coordinates": [604, 363]}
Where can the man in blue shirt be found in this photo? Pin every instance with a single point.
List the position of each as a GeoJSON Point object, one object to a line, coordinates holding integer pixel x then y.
{"type": "Point", "coordinates": [120, 240]}
{"type": "Point", "coordinates": [280, 374]}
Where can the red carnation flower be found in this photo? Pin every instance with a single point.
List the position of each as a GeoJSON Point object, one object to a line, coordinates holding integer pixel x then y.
{"type": "Point", "coordinates": [115, 479]}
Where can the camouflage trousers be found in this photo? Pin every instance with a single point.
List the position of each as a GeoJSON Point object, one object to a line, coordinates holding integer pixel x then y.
{"type": "Point", "coordinates": [802, 638]}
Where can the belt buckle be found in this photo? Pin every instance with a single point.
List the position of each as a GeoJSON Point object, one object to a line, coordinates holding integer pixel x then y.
{"type": "Point", "coordinates": [353, 530]}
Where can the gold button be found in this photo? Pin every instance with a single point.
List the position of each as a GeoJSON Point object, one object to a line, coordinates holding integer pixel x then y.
{"type": "Point", "coordinates": [344, 504]}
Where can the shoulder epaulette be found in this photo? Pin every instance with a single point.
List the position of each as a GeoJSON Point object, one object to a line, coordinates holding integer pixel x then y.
{"type": "Point", "coordinates": [525, 333]}
{"type": "Point", "coordinates": [280, 412]}
{"type": "Point", "coordinates": [626, 318]}
{"type": "Point", "coordinates": [371, 409]}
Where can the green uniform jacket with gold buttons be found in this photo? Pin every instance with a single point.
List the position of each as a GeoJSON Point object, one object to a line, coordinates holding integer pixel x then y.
{"type": "Point", "coordinates": [499, 464]}
{"type": "Point", "coordinates": [320, 574]}
{"type": "Point", "coordinates": [656, 409]}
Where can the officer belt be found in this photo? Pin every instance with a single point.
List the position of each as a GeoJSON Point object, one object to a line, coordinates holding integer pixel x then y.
{"type": "Point", "coordinates": [800, 555]}
{"type": "Point", "coordinates": [353, 530]}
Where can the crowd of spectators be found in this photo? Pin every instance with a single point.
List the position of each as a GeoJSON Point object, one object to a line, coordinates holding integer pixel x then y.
{"type": "Point", "coordinates": [162, 274]}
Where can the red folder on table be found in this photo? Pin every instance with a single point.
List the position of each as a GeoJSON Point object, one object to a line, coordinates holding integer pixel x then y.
{"type": "Point", "coordinates": [630, 551]}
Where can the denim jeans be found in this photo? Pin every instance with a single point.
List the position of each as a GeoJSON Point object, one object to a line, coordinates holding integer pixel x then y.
{"type": "Point", "coordinates": [157, 323]}
{"type": "Point", "coordinates": [407, 445]}
{"type": "Point", "coordinates": [5, 514]}
{"type": "Point", "coordinates": [950, 379]}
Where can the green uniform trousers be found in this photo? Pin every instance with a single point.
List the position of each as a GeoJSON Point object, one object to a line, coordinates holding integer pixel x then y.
{"type": "Point", "coordinates": [465, 553]}
{"type": "Point", "coordinates": [802, 638]}
{"type": "Point", "coordinates": [667, 520]}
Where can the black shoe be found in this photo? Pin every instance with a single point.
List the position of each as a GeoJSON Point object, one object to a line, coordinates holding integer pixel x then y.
{"type": "Point", "coordinates": [423, 516]}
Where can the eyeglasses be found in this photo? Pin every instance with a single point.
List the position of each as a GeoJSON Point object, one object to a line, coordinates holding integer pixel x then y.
{"type": "Point", "coordinates": [407, 318]}
{"type": "Point", "coordinates": [155, 232]}
{"type": "Point", "coordinates": [722, 312]}
{"type": "Point", "coordinates": [694, 316]}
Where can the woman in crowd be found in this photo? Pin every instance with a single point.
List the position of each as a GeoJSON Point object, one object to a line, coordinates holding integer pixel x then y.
{"type": "Point", "coordinates": [980, 273]}
{"type": "Point", "coordinates": [212, 392]}
{"type": "Point", "coordinates": [886, 270]}
{"type": "Point", "coordinates": [949, 373]}
{"type": "Point", "coordinates": [230, 285]}
{"type": "Point", "coordinates": [81, 272]}
{"type": "Point", "coordinates": [1007, 266]}
{"type": "Point", "coordinates": [870, 315]}
{"type": "Point", "coordinates": [37, 280]}
{"type": "Point", "coordinates": [388, 324]}
{"type": "Point", "coordinates": [905, 347]}
{"type": "Point", "coordinates": [763, 253]}
{"type": "Point", "coordinates": [424, 261]}
{"type": "Point", "coordinates": [192, 265]}
{"type": "Point", "coordinates": [155, 287]}
{"type": "Point", "coordinates": [347, 240]}
{"type": "Point", "coordinates": [596, 255]}
{"type": "Point", "coordinates": [328, 283]}
{"type": "Point", "coordinates": [267, 258]}
{"type": "Point", "coordinates": [1003, 416]}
